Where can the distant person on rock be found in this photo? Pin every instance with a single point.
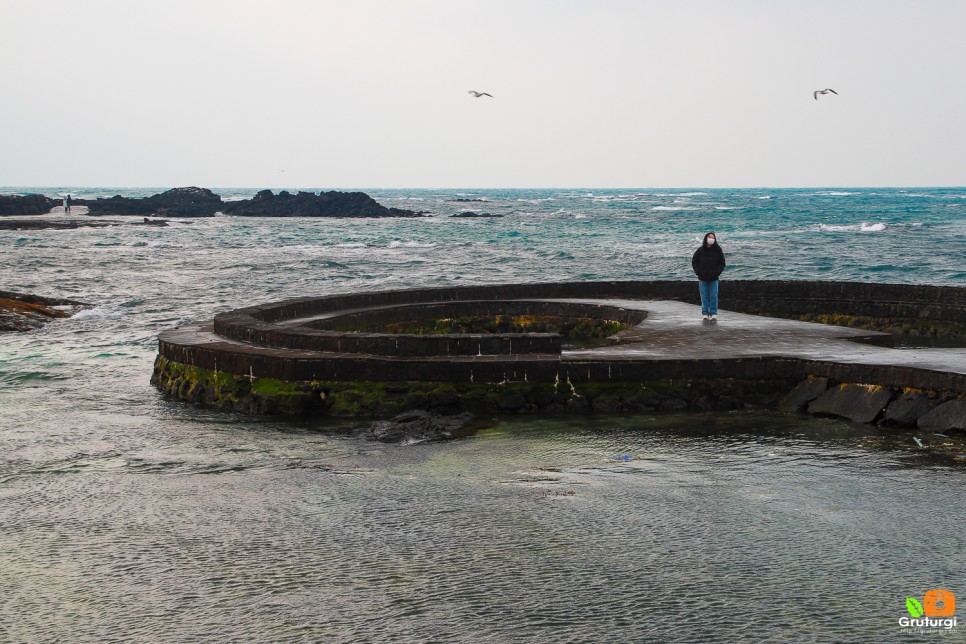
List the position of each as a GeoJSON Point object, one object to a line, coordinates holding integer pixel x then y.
{"type": "Point", "coordinates": [708, 262]}
{"type": "Point", "coordinates": [67, 203]}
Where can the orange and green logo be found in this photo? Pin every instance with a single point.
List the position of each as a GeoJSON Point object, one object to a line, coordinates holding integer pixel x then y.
{"type": "Point", "coordinates": [936, 603]}
{"type": "Point", "coordinates": [937, 610]}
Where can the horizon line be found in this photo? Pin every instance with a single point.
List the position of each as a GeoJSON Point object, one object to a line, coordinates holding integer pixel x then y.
{"type": "Point", "coordinates": [343, 188]}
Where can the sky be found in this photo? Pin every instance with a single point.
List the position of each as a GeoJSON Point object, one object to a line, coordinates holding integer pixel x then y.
{"type": "Point", "coordinates": [374, 93]}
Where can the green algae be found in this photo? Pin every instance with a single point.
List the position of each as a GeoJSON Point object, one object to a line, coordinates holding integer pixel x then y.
{"type": "Point", "coordinates": [575, 328]}
{"type": "Point", "coordinates": [386, 399]}
{"type": "Point", "coordinates": [916, 327]}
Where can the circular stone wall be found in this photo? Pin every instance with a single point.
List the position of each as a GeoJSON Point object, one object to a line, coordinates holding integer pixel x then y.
{"type": "Point", "coordinates": [338, 355]}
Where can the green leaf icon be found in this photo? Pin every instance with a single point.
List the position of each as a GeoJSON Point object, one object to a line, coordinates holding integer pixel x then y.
{"type": "Point", "coordinates": [913, 606]}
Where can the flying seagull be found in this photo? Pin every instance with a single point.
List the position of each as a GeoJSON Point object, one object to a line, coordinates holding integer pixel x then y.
{"type": "Point", "coordinates": [479, 94]}
{"type": "Point", "coordinates": [823, 91]}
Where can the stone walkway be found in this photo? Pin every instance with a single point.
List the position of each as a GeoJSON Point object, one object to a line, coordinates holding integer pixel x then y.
{"type": "Point", "coordinates": [675, 330]}
{"type": "Point", "coordinates": [672, 331]}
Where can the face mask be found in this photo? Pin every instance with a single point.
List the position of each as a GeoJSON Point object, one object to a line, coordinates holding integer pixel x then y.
{"type": "Point", "coordinates": [710, 241]}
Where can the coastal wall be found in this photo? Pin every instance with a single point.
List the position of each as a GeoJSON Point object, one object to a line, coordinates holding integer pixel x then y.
{"type": "Point", "coordinates": [780, 298]}
{"type": "Point", "coordinates": [276, 358]}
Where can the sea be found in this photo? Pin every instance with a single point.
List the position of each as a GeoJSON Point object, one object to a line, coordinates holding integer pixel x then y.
{"type": "Point", "coordinates": [126, 517]}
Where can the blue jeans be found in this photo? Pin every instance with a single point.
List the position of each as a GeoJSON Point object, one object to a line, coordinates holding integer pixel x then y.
{"type": "Point", "coordinates": [709, 297]}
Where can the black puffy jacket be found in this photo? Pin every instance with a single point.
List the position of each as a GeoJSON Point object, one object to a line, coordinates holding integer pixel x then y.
{"type": "Point", "coordinates": [708, 262]}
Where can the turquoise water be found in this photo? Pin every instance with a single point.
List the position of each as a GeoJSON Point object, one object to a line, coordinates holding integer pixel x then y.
{"type": "Point", "coordinates": [127, 517]}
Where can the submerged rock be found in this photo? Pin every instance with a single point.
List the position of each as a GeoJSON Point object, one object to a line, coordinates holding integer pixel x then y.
{"type": "Point", "coordinates": [418, 426]}
{"type": "Point", "coordinates": [47, 224]}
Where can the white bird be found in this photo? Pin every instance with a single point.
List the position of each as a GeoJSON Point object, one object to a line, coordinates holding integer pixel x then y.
{"type": "Point", "coordinates": [823, 91]}
{"type": "Point", "coordinates": [479, 94]}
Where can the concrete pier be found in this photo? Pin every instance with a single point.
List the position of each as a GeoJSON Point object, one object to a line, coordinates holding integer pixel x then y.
{"type": "Point", "coordinates": [334, 355]}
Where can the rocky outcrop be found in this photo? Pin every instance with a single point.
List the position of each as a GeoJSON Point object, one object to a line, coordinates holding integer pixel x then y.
{"type": "Point", "coordinates": [308, 204]}
{"type": "Point", "coordinates": [471, 214]}
{"type": "Point", "coordinates": [25, 205]}
{"type": "Point", "coordinates": [50, 224]}
{"type": "Point", "coordinates": [47, 224]}
{"type": "Point", "coordinates": [25, 312]}
{"type": "Point", "coordinates": [178, 202]}
{"type": "Point", "coordinates": [418, 426]}
{"type": "Point", "coordinates": [201, 202]}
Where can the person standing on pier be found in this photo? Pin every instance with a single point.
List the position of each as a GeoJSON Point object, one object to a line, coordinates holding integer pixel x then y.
{"type": "Point", "coordinates": [67, 203]}
{"type": "Point", "coordinates": [708, 262]}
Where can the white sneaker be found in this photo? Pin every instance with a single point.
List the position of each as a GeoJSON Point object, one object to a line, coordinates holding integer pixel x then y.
{"type": "Point", "coordinates": [714, 318]}
{"type": "Point", "coordinates": [705, 317]}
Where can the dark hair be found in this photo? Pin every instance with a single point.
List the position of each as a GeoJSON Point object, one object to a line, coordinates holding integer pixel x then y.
{"type": "Point", "coordinates": [705, 242]}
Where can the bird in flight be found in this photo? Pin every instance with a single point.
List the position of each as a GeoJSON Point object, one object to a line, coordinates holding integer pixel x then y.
{"type": "Point", "coordinates": [823, 91]}
{"type": "Point", "coordinates": [479, 94]}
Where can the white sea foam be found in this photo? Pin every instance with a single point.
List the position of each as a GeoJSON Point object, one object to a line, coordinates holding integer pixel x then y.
{"type": "Point", "coordinates": [864, 227]}
{"type": "Point", "coordinates": [410, 244]}
{"type": "Point", "coordinates": [352, 245]}
{"type": "Point", "coordinates": [834, 193]}
{"type": "Point", "coordinates": [726, 208]}
{"type": "Point", "coordinates": [673, 208]}
{"type": "Point", "coordinates": [764, 197]}
{"type": "Point", "coordinates": [97, 313]}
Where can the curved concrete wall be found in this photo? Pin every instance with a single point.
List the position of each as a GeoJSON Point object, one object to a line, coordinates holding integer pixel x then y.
{"type": "Point", "coordinates": [278, 342]}
{"type": "Point", "coordinates": [767, 297]}
{"type": "Point", "coordinates": [273, 349]}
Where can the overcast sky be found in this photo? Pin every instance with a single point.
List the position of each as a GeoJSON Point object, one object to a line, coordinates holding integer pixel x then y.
{"type": "Point", "coordinates": [373, 93]}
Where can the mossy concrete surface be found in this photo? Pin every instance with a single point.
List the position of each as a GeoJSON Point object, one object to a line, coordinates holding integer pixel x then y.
{"type": "Point", "coordinates": [385, 399]}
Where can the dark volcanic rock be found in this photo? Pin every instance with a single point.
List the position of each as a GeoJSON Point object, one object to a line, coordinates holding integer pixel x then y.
{"type": "Point", "coordinates": [804, 393]}
{"type": "Point", "coordinates": [418, 426]}
{"type": "Point", "coordinates": [475, 214]}
{"type": "Point", "coordinates": [906, 409]}
{"type": "Point", "coordinates": [178, 202]}
{"type": "Point", "coordinates": [947, 416]}
{"type": "Point", "coordinates": [309, 204]}
{"type": "Point", "coordinates": [859, 403]}
{"type": "Point", "coordinates": [70, 224]}
{"type": "Point", "coordinates": [25, 205]}
{"type": "Point", "coordinates": [46, 224]}
{"type": "Point", "coordinates": [23, 312]}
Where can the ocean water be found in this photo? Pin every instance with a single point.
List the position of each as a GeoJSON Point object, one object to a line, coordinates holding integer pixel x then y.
{"type": "Point", "coordinates": [125, 517]}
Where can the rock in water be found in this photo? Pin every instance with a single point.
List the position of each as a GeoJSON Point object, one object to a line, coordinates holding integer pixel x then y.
{"type": "Point", "coordinates": [418, 426]}
{"type": "Point", "coordinates": [25, 205]}
{"type": "Point", "coordinates": [24, 312]}
{"type": "Point", "coordinates": [309, 204]}
{"type": "Point", "coordinates": [177, 202]}
{"type": "Point", "coordinates": [948, 416]}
